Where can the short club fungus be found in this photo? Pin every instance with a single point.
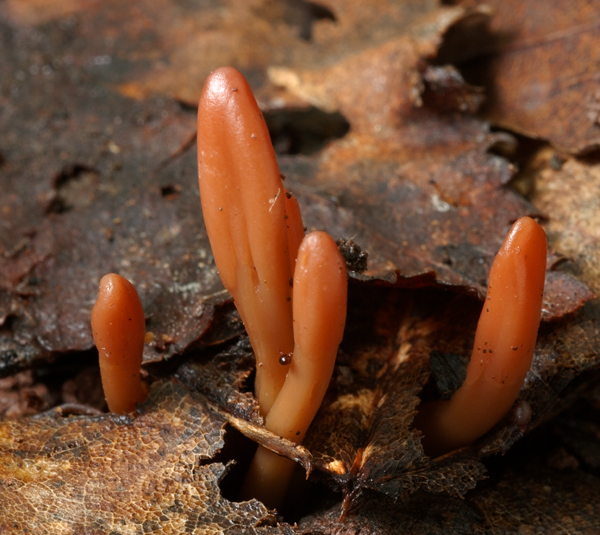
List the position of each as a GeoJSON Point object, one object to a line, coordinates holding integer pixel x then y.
{"type": "Point", "coordinates": [294, 311]}
{"type": "Point", "coordinates": [118, 327]}
{"type": "Point", "coordinates": [503, 347]}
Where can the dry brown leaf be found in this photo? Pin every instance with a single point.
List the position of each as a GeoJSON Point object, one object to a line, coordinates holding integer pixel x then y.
{"type": "Point", "coordinates": [418, 190]}
{"type": "Point", "coordinates": [542, 66]}
{"type": "Point", "coordinates": [569, 191]}
{"type": "Point", "coordinates": [114, 474]}
{"type": "Point", "coordinates": [107, 182]}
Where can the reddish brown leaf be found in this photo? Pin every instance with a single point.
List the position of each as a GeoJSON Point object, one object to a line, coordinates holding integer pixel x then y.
{"type": "Point", "coordinates": [419, 191]}
{"type": "Point", "coordinates": [542, 70]}
{"type": "Point", "coordinates": [98, 174]}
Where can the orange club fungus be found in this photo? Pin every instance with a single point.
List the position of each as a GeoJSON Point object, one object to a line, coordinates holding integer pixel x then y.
{"type": "Point", "coordinates": [503, 348]}
{"type": "Point", "coordinates": [320, 298]}
{"type": "Point", "coordinates": [291, 293]}
{"type": "Point", "coordinates": [290, 290]}
{"type": "Point", "coordinates": [118, 327]}
{"type": "Point", "coordinates": [253, 225]}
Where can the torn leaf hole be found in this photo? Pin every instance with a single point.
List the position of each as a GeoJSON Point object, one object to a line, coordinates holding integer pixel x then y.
{"type": "Point", "coordinates": [170, 191]}
{"type": "Point", "coordinates": [299, 15]}
{"type": "Point", "coordinates": [305, 131]}
{"type": "Point", "coordinates": [312, 12]}
{"type": "Point", "coordinates": [236, 455]}
{"type": "Point", "coordinates": [74, 187]}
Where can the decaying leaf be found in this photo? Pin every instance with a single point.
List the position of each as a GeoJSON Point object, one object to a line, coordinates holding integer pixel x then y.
{"type": "Point", "coordinates": [113, 474]}
{"type": "Point", "coordinates": [363, 438]}
{"type": "Point", "coordinates": [418, 190]}
{"type": "Point", "coordinates": [96, 192]}
{"type": "Point", "coordinates": [541, 66]}
{"type": "Point", "coordinates": [570, 191]}
{"type": "Point", "coordinates": [539, 488]}
{"type": "Point", "coordinates": [98, 165]}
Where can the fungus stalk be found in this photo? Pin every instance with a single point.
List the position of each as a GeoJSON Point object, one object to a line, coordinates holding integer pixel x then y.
{"type": "Point", "coordinates": [320, 298]}
{"type": "Point", "coordinates": [118, 327]}
{"type": "Point", "coordinates": [503, 349]}
{"type": "Point", "coordinates": [253, 223]}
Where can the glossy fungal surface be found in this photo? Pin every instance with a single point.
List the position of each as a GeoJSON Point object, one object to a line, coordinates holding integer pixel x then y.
{"type": "Point", "coordinates": [320, 301]}
{"type": "Point", "coordinates": [290, 290]}
{"type": "Point", "coordinates": [254, 228]}
{"type": "Point", "coordinates": [118, 327]}
{"type": "Point", "coordinates": [503, 348]}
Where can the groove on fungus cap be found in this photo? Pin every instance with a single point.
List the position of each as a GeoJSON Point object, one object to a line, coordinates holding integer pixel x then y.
{"type": "Point", "coordinates": [503, 348]}
{"type": "Point", "coordinates": [254, 228]}
{"type": "Point", "coordinates": [118, 327]}
{"type": "Point", "coordinates": [320, 301]}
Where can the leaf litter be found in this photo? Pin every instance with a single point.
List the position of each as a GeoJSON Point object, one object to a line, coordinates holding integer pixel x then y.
{"type": "Point", "coordinates": [415, 183]}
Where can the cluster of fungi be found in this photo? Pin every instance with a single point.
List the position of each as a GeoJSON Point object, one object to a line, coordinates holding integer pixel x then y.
{"type": "Point", "coordinates": [290, 290]}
